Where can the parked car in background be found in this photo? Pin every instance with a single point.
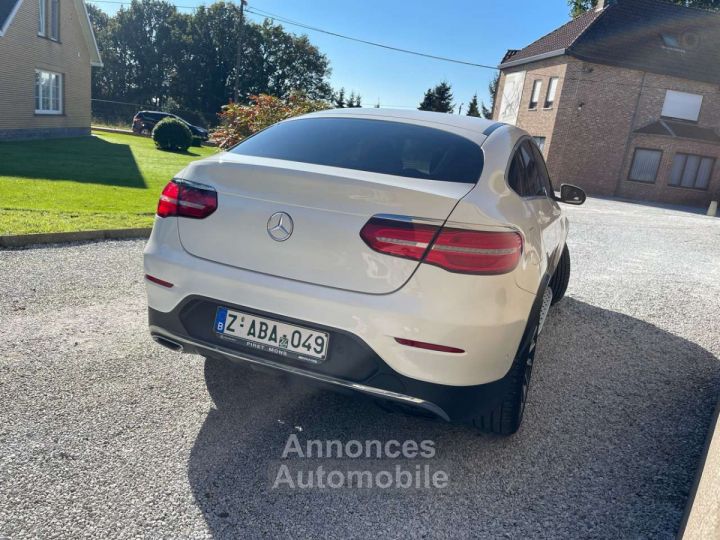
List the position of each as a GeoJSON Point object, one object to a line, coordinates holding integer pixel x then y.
{"type": "Point", "coordinates": [410, 256]}
{"type": "Point", "coordinates": [144, 122]}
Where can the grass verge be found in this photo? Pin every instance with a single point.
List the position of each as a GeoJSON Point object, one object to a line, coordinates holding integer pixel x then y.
{"type": "Point", "coordinates": [107, 181]}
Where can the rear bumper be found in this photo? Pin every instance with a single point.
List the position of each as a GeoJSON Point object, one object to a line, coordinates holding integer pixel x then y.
{"type": "Point", "coordinates": [357, 368]}
{"type": "Point", "coordinates": [485, 316]}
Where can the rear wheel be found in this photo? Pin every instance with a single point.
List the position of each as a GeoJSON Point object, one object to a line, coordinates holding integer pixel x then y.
{"type": "Point", "coordinates": [561, 277]}
{"type": "Point", "coordinates": [505, 419]}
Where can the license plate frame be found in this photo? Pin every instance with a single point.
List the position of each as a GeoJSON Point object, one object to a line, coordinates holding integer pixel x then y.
{"type": "Point", "coordinates": [285, 340]}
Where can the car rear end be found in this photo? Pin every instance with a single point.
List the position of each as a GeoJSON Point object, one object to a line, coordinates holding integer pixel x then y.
{"type": "Point", "coordinates": [327, 247]}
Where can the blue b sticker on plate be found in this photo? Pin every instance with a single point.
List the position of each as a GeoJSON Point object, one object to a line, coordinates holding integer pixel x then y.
{"type": "Point", "coordinates": [220, 318]}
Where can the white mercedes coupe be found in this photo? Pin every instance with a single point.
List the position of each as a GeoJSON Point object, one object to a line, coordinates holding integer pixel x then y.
{"type": "Point", "coordinates": [409, 256]}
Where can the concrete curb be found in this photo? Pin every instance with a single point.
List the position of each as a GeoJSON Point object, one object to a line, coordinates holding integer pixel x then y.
{"type": "Point", "coordinates": [23, 240]}
{"type": "Point", "coordinates": [702, 514]}
{"type": "Point", "coordinates": [118, 130]}
{"type": "Point", "coordinates": [131, 132]}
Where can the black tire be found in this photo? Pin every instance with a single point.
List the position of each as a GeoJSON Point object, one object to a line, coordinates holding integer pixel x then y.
{"type": "Point", "coordinates": [561, 277]}
{"type": "Point", "coordinates": [505, 419]}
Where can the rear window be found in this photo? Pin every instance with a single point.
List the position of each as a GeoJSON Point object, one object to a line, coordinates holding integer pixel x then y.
{"type": "Point", "coordinates": [370, 145]}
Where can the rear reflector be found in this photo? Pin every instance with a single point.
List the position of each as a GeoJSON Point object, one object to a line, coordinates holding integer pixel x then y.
{"type": "Point", "coordinates": [462, 251]}
{"type": "Point", "coordinates": [158, 281]}
{"type": "Point", "coordinates": [187, 199]}
{"type": "Point", "coordinates": [428, 346]}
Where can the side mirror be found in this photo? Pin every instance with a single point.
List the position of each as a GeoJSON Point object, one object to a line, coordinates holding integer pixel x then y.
{"type": "Point", "coordinates": [571, 194]}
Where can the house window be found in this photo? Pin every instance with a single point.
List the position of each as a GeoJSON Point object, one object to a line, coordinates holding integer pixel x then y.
{"type": "Point", "coordinates": [55, 19]}
{"type": "Point", "coordinates": [48, 92]}
{"type": "Point", "coordinates": [552, 88]}
{"type": "Point", "coordinates": [682, 105]}
{"type": "Point", "coordinates": [540, 141]}
{"type": "Point", "coordinates": [42, 17]}
{"type": "Point", "coordinates": [53, 8]}
{"type": "Point", "coordinates": [691, 171]}
{"type": "Point", "coordinates": [645, 165]}
{"type": "Point", "coordinates": [535, 96]}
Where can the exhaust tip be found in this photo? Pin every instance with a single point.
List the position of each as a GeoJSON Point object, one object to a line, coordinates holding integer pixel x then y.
{"type": "Point", "coordinates": [169, 343]}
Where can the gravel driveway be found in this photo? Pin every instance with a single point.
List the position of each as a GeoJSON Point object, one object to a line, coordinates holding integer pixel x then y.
{"type": "Point", "coordinates": [105, 434]}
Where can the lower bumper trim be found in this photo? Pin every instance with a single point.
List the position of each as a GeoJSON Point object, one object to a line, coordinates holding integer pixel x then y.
{"type": "Point", "coordinates": [163, 336]}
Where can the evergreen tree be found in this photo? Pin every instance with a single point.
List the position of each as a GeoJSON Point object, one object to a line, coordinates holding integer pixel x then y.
{"type": "Point", "coordinates": [339, 99]}
{"type": "Point", "coordinates": [492, 90]}
{"type": "Point", "coordinates": [438, 99]}
{"type": "Point", "coordinates": [358, 101]}
{"type": "Point", "coordinates": [486, 113]}
{"type": "Point", "coordinates": [427, 103]}
{"type": "Point", "coordinates": [351, 100]}
{"type": "Point", "coordinates": [473, 108]}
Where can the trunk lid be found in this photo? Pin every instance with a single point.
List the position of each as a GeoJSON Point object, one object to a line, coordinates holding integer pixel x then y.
{"type": "Point", "coordinates": [327, 207]}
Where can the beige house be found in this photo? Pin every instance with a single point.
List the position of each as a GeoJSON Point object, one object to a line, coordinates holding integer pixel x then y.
{"type": "Point", "coordinates": [624, 101]}
{"type": "Point", "coordinates": [47, 50]}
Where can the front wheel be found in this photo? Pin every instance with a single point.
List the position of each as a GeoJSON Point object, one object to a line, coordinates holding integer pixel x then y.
{"type": "Point", "coordinates": [561, 277]}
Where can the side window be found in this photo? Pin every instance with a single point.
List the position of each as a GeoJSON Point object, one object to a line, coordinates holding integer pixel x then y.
{"type": "Point", "coordinates": [534, 186]}
{"type": "Point", "coordinates": [516, 174]}
{"type": "Point", "coordinates": [542, 169]}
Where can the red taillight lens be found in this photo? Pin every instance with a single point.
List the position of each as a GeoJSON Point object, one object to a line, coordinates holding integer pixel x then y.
{"type": "Point", "coordinates": [185, 199]}
{"type": "Point", "coordinates": [476, 252]}
{"type": "Point", "coordinates": [456, 250]}
{"type": "Point", "coordinates": [398, 238]}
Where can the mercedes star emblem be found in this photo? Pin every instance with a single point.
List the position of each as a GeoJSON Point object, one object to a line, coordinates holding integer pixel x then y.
{"type": "Point", "coordinates": [280, 226]}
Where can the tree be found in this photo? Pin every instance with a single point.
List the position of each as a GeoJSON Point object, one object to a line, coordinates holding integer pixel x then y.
{"type": "Point", "coordinates": [339, 99]}
{"type": "Point", "coordinates": [578, 7]}
{"type": "Point", "coordinates": [438, 99]}
{"type": "Point", "coordinates": [153, 55]}
{"type": "Point", "coordinates": [492, 90]}
{"type": "Point", "coordinates": [473, 107]}
{"type": "Point", "coordinates": [239, 121]}
{"type": "Point", "coordinates": [351, 100]}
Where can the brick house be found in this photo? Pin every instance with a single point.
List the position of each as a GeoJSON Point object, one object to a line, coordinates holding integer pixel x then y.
{"type": "Point", "coordinates": [47, 50]}
{"type": "Point", "coordinates": [624, 101]}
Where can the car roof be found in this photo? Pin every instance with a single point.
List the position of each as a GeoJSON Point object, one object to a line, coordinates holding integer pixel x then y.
{"type": "Point", "coordinates": [469, 123]}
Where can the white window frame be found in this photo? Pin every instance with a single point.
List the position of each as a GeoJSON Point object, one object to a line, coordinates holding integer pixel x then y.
{"type": "Point", "coordinates": [42, 18]}
{"type": "Point", "coordinates": [535, 94]}
{"type": "Point", "coordinates": [54, 30]}
{"type": "Point", "coordinates": [551, 93]}
{"type": "Point", "coordinates": [38, 92]}
{"type": "Point", "coordinates": [682, 105]}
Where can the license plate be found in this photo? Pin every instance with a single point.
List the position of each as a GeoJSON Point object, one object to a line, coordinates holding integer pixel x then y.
{"type": "Point", "coordinates": [263, 334]}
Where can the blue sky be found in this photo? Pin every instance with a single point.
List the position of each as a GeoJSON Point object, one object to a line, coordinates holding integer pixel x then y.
{"type": "Point", "coordinates": [473, 30]}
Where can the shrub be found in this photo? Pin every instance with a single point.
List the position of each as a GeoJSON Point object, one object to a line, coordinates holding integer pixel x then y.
{"type": "Point", "coordinates": [240, 121]}
{"type": "Point", "coordinates": [172, 134]}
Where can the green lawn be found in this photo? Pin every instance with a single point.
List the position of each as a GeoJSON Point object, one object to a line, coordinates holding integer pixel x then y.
{"type": "Point", "coordinates": [107, 181]}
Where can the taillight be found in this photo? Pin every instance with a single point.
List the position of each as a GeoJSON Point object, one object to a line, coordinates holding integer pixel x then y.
{"type": "Point", "coordinates": [462, 251]}
{"type": "Point", "coordinates": [399, 238]}
{"type": "Point", "coordinates": [187, 199]}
